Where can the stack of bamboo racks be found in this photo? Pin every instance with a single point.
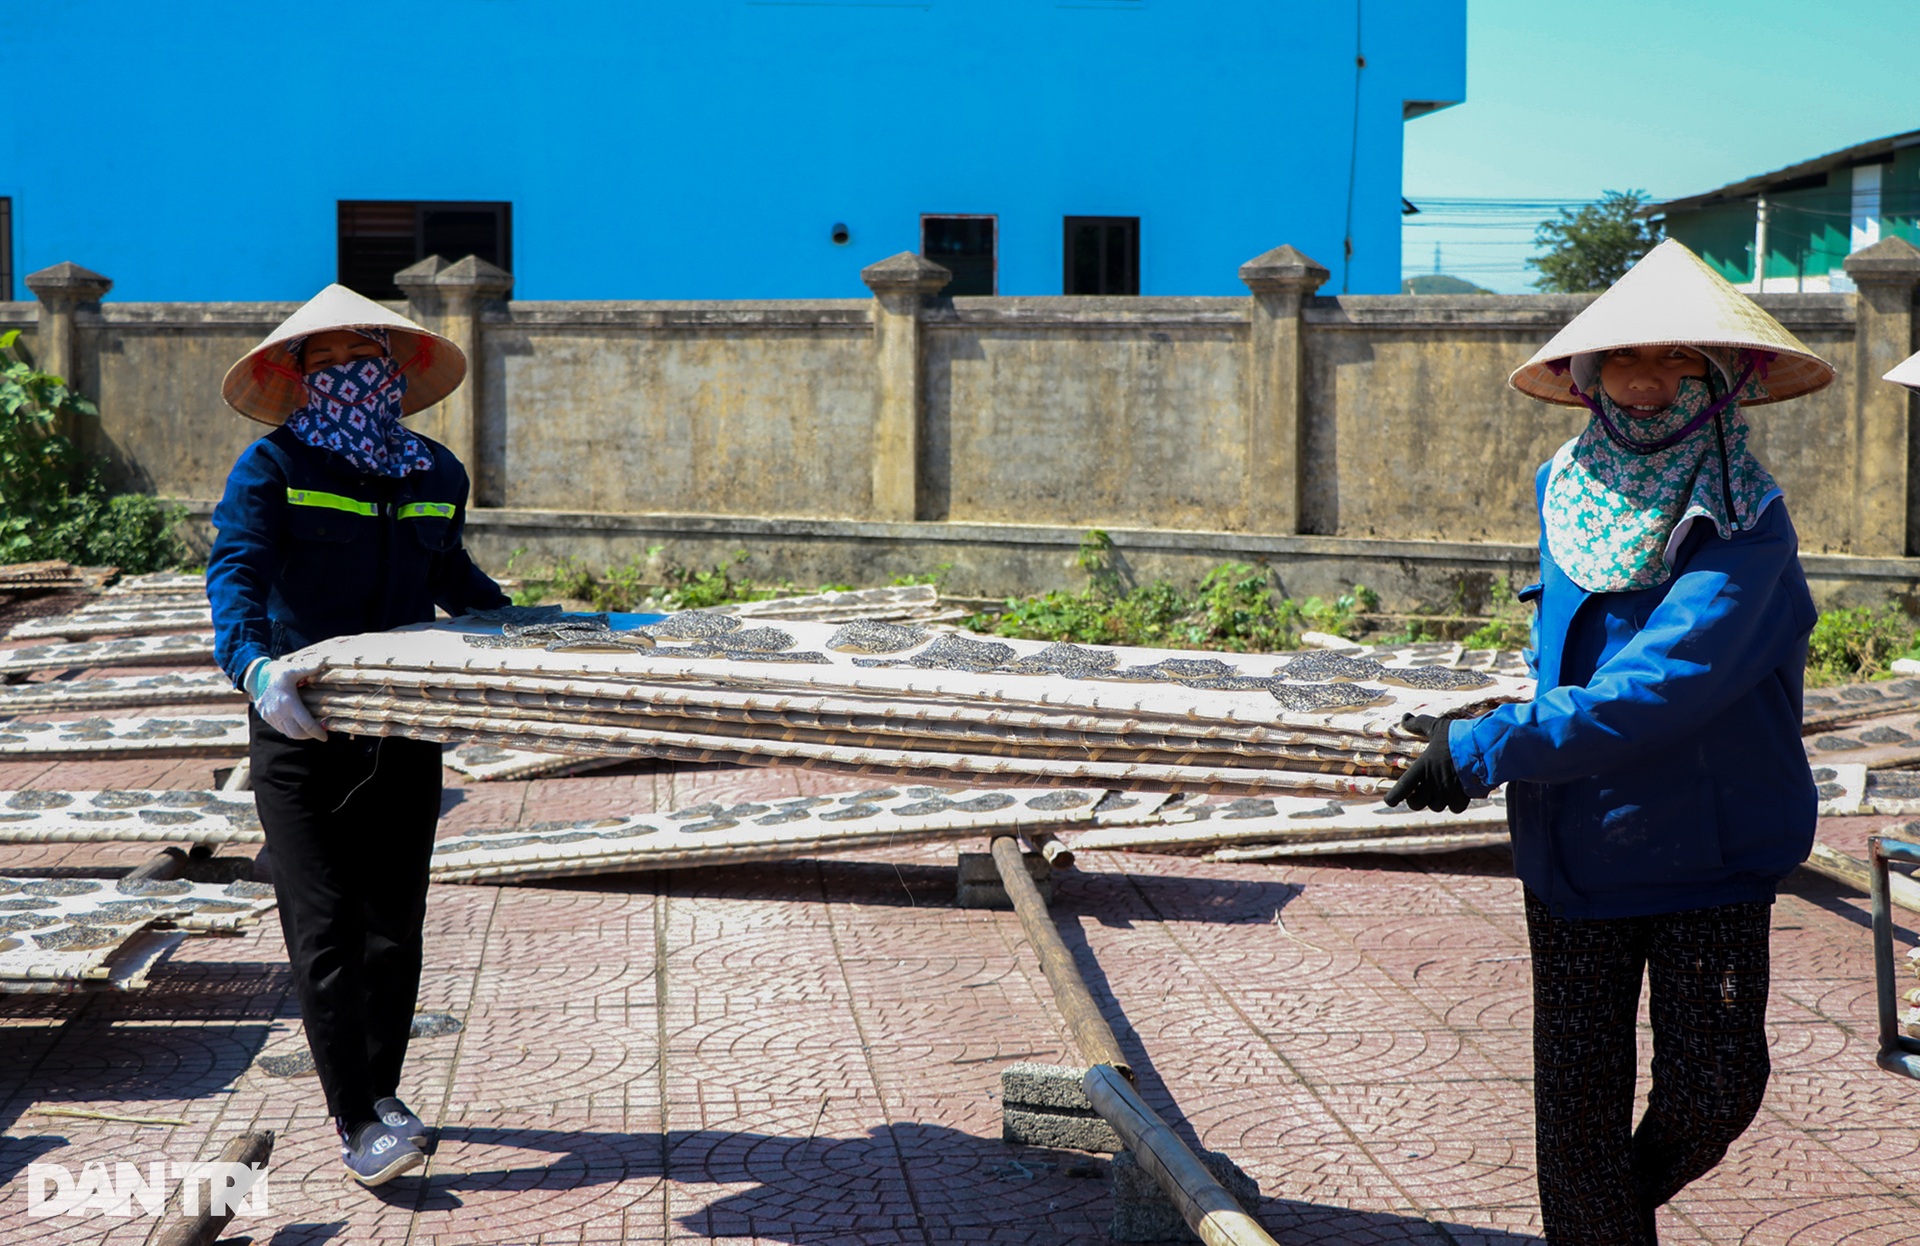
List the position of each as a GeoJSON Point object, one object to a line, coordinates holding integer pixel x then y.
{"type": "Point", "coordinates": [896, 700]}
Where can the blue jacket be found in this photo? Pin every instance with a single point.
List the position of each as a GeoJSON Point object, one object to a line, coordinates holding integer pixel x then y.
{"type": "Point", "coordinates": [1659, 766]}
{"type": "Point", "coordinates": [308, 549]}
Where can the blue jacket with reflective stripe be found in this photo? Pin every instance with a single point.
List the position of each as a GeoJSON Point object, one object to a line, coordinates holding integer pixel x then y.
{"type": "Point", "coordinates": [307, 549]}
{"type": "Point", "coordinates": [1659, 766]}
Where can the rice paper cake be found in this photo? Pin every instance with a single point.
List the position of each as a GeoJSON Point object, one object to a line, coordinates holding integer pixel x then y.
{"type": "Point", "coordinates": [128, 816]}
{"type": "Point", "coordinates": [719, 833]}
{"type": "Point", "coordinates": [119, 692]}
{"type": "Point", "coordinates": [1842, 789]}
{"type": "Point", "coordinates": [67, 933]}
{"type": "Point", "coordinates": [101, 738]}
{"type": "Point", "coordinates": [180, 648]}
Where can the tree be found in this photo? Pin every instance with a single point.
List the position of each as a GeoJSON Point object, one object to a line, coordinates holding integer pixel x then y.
{"type": "Point", "coordinates": [1593, 247]}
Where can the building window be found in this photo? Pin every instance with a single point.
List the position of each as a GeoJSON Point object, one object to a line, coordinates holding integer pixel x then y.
{"type": "Point", "coordinates": [1102, 255]}
{"type": "Point", "coordinates": [963, 245]}
{"type": "Point", "coordinates": [6, 249]}
{"type": "Point", "coordinates": [379, 237]}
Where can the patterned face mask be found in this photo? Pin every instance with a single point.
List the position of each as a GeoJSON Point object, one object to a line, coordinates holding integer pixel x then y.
{"type": "Point", "coordinates": [1614, 516]}
{"type": "Point", "coordinates": [353, 409]}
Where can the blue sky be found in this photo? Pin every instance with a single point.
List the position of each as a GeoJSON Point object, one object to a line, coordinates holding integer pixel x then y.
{"type": "Point", "coordinates": [1566, 99]}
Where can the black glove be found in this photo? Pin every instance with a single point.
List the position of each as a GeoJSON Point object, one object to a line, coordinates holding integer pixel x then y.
{"type": "Point", "coordinates": [1431, 782]}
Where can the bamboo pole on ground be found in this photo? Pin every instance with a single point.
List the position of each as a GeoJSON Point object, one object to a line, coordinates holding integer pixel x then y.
{"type": "Point", "coordinates": [201, 1228]}
{"type": "Point", "coordinates": [1203, 1202]}
{"type": "Point", "coordinates": [1091, 1033]}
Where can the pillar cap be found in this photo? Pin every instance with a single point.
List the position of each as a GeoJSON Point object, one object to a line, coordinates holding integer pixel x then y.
{"type": "Point", "coordinates": [906, 273]}
{"type": "Point", "coordinates": [1891, 261]}
{"type": "Point", "coordinates": [1281, 270]}
{"type": "Point", "coordinates": [417, 281]}
{"type": "Point", "coordinates": [68, 281]}
{"type": "Point", "coordinates": [476, 276]}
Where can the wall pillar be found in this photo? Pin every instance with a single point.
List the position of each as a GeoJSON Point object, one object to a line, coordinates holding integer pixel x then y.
{"type": "Point", "coordinates": [1280, 282]}
{"type": "Point", "coordinates": [63, 290]}
{"type": "Point", "coordinates": [900, 288]}
{"type": "Point", "coordinates": [1886, 275]}
{"type": "Point", "coordinates": [452, 299]}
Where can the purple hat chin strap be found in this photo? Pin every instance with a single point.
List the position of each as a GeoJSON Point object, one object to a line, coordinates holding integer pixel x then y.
{"type": "Point", "coordinates": [1635, 446]}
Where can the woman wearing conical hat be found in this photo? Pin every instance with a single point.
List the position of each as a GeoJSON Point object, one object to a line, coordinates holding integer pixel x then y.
{"type": "Point", "coordinates": [342, 520]}
{"type": "Point", "coordinates": [1657, 789]}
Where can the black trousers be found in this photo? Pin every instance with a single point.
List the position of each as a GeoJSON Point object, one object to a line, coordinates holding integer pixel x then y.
{"type": "Point", "coordinates": [349, 824]}
{"type": "Point", "coordinates": [1600, 1177]}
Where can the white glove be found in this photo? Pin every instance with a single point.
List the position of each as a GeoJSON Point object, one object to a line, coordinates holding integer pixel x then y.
{"type": "Point", "coordinates": [274, 688]}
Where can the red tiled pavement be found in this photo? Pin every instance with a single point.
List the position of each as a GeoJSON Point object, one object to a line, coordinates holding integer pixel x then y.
{"type": "Point", "coordinates": [809, 1051]}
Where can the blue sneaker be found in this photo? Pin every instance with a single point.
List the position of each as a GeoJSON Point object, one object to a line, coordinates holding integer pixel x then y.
{"type": "Point", "coordinates": [375, 1154]}
{"type": "Point", "coordinates": [400, 1118]}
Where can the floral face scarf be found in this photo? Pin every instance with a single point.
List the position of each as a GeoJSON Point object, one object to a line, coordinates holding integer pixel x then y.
{"type": "Point", "coordinates": [1615, 513]}
{"type": "Point", "coordinates": [353, 409]}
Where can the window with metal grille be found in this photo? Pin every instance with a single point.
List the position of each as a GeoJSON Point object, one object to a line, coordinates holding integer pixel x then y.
{"type": "Point", "coordinates": [6, 249]}
{"type": "Point", "coordinates": [1102, 255]}
{"type": "Point", "coordinates": [964, 246]}
{"type": "Point", "coordinates": [379, 237]}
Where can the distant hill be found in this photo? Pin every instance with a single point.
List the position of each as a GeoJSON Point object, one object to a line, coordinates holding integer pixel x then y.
{"type": "Point", "coordinates": [1439, 283]}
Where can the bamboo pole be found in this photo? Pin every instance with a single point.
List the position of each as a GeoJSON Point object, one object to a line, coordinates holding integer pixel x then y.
{"type": "Point", "coordinates": [203, 1227]}
{"type": "Point", "coordinates": [1091, 1033]}
{"type": "Point", "coordinates": [1203, 1202]}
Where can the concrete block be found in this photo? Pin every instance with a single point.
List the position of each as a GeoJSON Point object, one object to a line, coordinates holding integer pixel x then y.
{"type": "Point", "coordinates": [1045, 1105]}
{"type": "Point", "coordinates": [978, 880]}
{"type": "Point", "coordinates": [1142, 1212]}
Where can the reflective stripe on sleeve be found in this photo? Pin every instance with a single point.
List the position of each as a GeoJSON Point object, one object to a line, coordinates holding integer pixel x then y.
{"type": "Point", "coordinates": [331, 501]}
{"type": "Point", "coordinates": [427, 510]}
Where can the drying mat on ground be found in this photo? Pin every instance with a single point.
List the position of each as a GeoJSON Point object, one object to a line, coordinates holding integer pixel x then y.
{"type": "Point", "coordinates": [1877, 744]}
{"type": "Point", "coordinates": [485, 763]}
{"type": "Point", "coordinates": [196, 688]}
{"type": "Point", "coordinates": [1826, 708]}
{"type": "Point", "coordinates": [79, 626]}
{"type": "Point", "coordinates": [143, 603]}
{"type": "Point", "coordinates": [180, 649]}
{"type": "Point", "coordinates": [1397, 845]}
{"type": "Point", "coordinates": [1449, 654]}
{"type": "Point", "coordinates": [879, 698]}
{"type": "Point", "coordinates": [1191, 823]}
{"type": "Point", "coordinates": [771, 830]}
{"type": "Point", "coordinates": [43, 577]}
{"type": "Point", "coordinates": [128, 816]}
{"type": "Point", "coordinates": [79, 933]}
{"type": "Point", "coordinates": [160, 582]}
{"type": "Point", "coordinates": [102, 739]}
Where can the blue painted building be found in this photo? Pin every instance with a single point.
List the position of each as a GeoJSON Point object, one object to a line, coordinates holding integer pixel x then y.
{"type": "Point", "coordinates": [714, 148]}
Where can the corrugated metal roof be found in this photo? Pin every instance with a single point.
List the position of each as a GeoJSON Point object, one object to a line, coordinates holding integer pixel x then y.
{"type": "Point", "coordinates": [1860, 153]}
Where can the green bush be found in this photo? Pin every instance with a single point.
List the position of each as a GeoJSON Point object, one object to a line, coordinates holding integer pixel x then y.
{"type": "Point", "coordinates": [1857, 643]}
{"type": "Point", "coordinates": [1511, 626]}
{"type": "Point", "coordinates": [53, 503]}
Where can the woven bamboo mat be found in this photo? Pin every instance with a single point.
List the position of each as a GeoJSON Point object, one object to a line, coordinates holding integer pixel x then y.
{"type": "Point", "coordinates": [128, 816]}
{"type": "Point", "coordinates": [183, 648]}
{"type": "Point", "coordinates": [196, 688]}
{"type": "Point", "coordinates": [1826, 708]}
{"type": "Point", "coordinates": [64, 934]}
{"type": "Point", "coordinates": [884, 699]}
{"type": "Point", "coordinates": [160, 582]}
{"type": "Point", "coordinates": [1398, 845]}
{"type": "Point", "coordinates": [717, 834]}
{"type": "Point", "coordinates": [96, 739]}
{"type": "Point", "coordinates": [83, 625]}
{"type": "Point", "coordinates": [1876, 743]}
{"type": "Point", "coordinates": [487, 763]}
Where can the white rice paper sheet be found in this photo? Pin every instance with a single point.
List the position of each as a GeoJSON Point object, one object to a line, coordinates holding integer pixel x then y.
{"type": "Point", "coordinates": [128, 816]}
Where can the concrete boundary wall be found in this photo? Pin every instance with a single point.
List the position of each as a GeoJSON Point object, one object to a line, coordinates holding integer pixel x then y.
{"type": "Point", "coordinates": [1361, 439]}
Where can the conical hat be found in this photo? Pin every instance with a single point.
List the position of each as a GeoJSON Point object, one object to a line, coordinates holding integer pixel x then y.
{"type": "Point", "coordinates": [1906, 372]}
{"type": "Point", "coordinates": [1671, 298]}
{"type": "Point", "coordinates": [265, 384]}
